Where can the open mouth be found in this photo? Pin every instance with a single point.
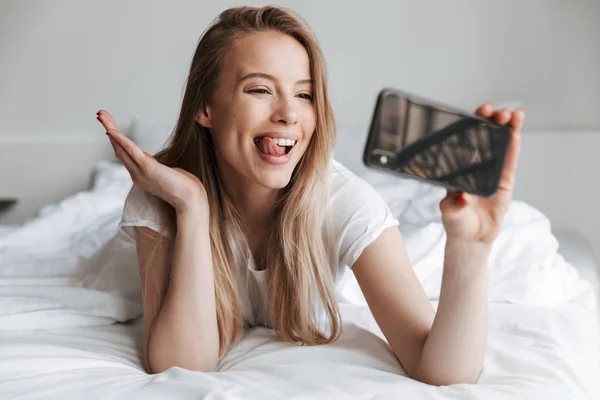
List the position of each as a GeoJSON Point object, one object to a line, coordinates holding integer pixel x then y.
{"type": "Point", "coordinates": [275, 147]}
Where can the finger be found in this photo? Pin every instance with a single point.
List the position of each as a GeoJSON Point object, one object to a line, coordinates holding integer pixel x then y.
{"type": "Point", "coordinates": [485, 110]}
{"type": "Point", "coordinates": [458, 197]}
{"type": "Point", "coordinates": [106, 120]}
{"type": "Point", "coordinates": [133, 168]}
{"type": "Point", "coordinates": [516, 121]}
{"type": "Point", "coordinates": [128, 145]}
{"type": "Point", "coordinates": [512, 157]}
{"type": "Point", "coordinates": [507, 179]}
{"type": "Point", "coordinates": [502, 116]}
{"type": "Point", "coordinates": [453, 202]}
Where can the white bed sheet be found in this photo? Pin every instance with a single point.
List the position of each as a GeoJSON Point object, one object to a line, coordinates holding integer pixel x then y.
{"type": "Point", "coordinates": [533, 353]}
{"type": "Point", "coordinates": [62, 336]}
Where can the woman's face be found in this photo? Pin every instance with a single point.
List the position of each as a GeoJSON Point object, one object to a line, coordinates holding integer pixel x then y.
{"type": "Point", "coordinates": [263, 117]}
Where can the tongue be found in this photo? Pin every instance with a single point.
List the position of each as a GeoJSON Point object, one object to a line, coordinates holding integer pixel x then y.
{"type": "Point", "coordinates": [268, 146]}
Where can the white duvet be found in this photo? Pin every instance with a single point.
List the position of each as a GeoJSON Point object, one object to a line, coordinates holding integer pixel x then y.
{"type": "Point", "coordinates": [67, 285]}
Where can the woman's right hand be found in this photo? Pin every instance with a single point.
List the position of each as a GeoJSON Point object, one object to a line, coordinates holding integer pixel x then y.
{"type": "Point", "coordinates": [176, 186]}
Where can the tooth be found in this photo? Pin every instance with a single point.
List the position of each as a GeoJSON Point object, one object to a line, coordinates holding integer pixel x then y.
{"type": "Point", "coordinates": [284, 142]}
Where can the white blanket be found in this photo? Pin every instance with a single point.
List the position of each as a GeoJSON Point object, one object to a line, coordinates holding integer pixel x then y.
{"type": "Point", "coordinates": [65, 278]}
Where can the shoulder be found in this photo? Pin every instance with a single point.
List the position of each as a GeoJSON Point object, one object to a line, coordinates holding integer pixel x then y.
{"type": "Point", "coordinates": [343, 180]}
{"type": "Point", "coordinates": [359, 214]}
{"type": "Point", "coordinates": [350, 191]}
{"type": "Point", "coordinates": [143, 209]}
{"type": "Point", "coordinates": [139, 204]}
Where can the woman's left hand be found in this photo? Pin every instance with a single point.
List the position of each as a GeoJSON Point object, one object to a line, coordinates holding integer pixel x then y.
{"type": "Point", "coordinates": [470, 218]}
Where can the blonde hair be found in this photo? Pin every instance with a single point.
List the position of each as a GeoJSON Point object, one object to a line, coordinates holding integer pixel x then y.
{"type": "Point", "coordinates": [298, 261]}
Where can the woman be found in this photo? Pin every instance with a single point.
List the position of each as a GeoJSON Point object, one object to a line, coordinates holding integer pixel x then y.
{"type": "Point", "coordinates": [245, 219]}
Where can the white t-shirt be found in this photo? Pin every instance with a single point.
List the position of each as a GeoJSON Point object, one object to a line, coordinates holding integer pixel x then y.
{"type": "Point", "coordinates": [359, 216]}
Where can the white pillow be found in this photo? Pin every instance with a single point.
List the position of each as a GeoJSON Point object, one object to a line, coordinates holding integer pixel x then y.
{"type": "Point", "coordinates": [412, 202]}
{"type": "Point", "coordinates": [108, 173]}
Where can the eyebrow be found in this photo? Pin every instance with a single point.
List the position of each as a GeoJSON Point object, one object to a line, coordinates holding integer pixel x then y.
{"type": "Point", "coordinates": [270, 77]}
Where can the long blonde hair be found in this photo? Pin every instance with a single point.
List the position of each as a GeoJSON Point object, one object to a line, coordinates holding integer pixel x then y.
{"type": "Point", "coordinates": [299, 264]}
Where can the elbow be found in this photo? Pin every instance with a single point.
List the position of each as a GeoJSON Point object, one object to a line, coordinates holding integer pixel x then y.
{"type": "Point", "coordinates": [449, 380]}
{"type": "Point", "coordinates": [158, 367]}
{"type": "Point", "coordinates": [448, 377]}
{"type": "Point", "coordinates": [159, 363]}
{"type": "Point", "coordinates": [166, 351]}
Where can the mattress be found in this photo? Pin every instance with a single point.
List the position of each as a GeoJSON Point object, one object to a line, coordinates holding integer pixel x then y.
{"type": "Point", "coordinates": [71, 328]}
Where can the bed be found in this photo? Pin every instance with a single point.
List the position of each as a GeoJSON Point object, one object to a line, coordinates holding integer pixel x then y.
{"type": "Point", "coordinates": [70, 324]}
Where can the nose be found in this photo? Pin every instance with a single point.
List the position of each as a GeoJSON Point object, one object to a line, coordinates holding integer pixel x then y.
{"type": "Point", "coordinates": [284, 112]}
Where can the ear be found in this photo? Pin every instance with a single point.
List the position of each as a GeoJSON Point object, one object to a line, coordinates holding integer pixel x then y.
{"type": "Point", "coordinates": [203, 117]}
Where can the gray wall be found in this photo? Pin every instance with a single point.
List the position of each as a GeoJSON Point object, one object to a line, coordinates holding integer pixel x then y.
{"type": "Point", "coordinates": [62, 60]}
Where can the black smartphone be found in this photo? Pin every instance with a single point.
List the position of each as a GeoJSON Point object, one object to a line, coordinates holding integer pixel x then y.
{"type": "Point", "coordinates": [429, 141]}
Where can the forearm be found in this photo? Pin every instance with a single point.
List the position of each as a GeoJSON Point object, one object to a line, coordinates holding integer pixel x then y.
{"type": "Point", "coordinates": [455, 347]}
{"type": "Point", "coordinates": [185, 332]}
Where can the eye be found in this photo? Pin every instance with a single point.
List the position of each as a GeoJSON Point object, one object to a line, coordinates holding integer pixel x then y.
{"type": "Point", "coordinates": [258, 91]}
{"type": "Point", "coordinates": [306, 96]}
